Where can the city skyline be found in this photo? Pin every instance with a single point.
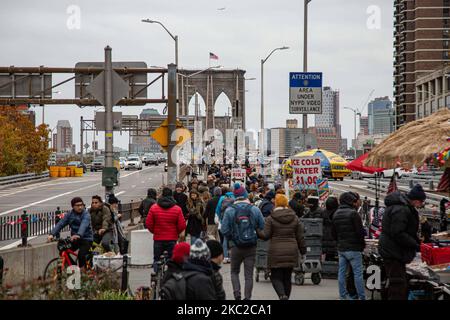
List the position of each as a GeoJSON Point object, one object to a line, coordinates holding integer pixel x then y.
{"type": "Point", "coordinates": [331, 49]}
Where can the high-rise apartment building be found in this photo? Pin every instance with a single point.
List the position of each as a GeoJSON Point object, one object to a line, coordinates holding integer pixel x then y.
{"type": "Point", "coordinates": [381, 116]}
{"type": "Point", "coordinates": [64, 136]}
{"type": "Point", "coordinates": [421, 45]}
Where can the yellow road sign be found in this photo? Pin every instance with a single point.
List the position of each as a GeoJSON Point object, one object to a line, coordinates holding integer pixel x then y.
{"type": "Point", "coordinates": [161, 135]}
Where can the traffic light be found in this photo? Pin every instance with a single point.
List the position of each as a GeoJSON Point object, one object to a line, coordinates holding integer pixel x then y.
{"type": "Point", "coordinates": [110, 177]}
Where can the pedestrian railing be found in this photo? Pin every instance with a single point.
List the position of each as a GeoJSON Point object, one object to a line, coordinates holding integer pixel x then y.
{"type": "Point", "coordinates": [432, 199]}
{"type": "Point", "coordinates": [27, 225]}
{"type": "Point", "coordinates": [23, 177]}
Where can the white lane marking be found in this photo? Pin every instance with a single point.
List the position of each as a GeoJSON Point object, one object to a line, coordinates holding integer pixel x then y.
{"type": "Point", "coordinates": [5, 193]}
{"type": "Point", "coordinates": [142, 181]}
{"type": "Point", "coordinates": [58, 196]}
{"type": "Point", "coordinates": [119, 193]}
{"type": "Point", "coordinates": [48, 199]}
{"type": "Point", "coordinates": [133, 186]}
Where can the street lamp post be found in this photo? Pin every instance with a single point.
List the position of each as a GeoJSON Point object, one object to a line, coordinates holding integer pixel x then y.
{"type": "Point", "coordinates": [174, 37]}
{"type": "Point", "coordinates": [262, 97]}
{"type": "Point", "coordinates": [305, 54]}
{"type": "Point", "coordinates": [355, 113]}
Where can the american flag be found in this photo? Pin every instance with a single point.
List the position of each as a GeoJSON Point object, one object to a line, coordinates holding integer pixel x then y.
{"type": "Point", "coordinates": [213, 56]}
{"type": "Point", "coordinates": [392, 185]}
{"type": "Point", "coordinates": [444, 183]}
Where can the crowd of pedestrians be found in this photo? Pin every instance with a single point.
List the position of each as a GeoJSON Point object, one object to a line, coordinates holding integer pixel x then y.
{"type": "Point", "coordinates": [204, 224]}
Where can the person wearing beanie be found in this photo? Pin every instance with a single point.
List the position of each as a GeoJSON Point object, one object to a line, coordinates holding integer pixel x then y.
{"type": "Point", "coordinates": [211, 220]}
{"type": "Point", "coordinates": [166, 221]}
{"type": "Point", "coordinates": [216, 250]}
{"type": "Point", "coordinates": [79, 222]}
{"type": "Point", "coordinates": [225, 201]}
{"type": "Point", "coordinates": [348, 230]}
{"type": "Point", "coordinates": [198, 273]}
{"type": "Point", "coordinates": [239, 191]}
{"type": "Point", "coordinates": [268, 204]}
{"type": "Point", "coordinates": [195, 222]}
{"type": "Point", "coordinates": [399, 241]}
{"type": "Point", "coordinates": [180, 255]}
{"type": "Point", "coordinates": [147, 203]}
{"type": "Point", "coordinates": [240, 224]}
{"type": "Point", "coordinates": [181, 198]}
{"type": "Point", "coordinates": [120, 241]}
{"type": "Point", "coordinates": [297, 205]}
{"type": "Point", "coordinates": [286, 234]}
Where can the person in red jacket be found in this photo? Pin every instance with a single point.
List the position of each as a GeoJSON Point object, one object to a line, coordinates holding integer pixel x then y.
{"type": "Point", "coordinates": [166, 221]}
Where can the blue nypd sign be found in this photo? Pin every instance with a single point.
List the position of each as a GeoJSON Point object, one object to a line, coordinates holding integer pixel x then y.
{"type": "Point", "coordinates": [305, 92]}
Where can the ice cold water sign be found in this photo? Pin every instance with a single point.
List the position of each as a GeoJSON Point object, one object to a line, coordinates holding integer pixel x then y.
{"type": "Point", "coordinates": [306, 172]}
{"type": "Point", "coordinates": [305, 93]}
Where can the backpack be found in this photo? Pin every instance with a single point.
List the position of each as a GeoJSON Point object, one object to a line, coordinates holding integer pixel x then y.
{"type": "Point", "coordinates": [174, 288]}
{"type": "Point", "coordinates": [244, 230]}
{"type": "Point", "coordinates": [226, 202]}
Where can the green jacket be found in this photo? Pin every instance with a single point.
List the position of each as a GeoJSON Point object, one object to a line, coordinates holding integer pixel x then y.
{"type": "Point", "coordinates": [101, 219]}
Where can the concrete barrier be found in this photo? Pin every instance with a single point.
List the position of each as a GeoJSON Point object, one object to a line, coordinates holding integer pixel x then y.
{"type": "Point", "coordinates": [141, 247]}
{"type": "Point", "coordinates": [25, 264]}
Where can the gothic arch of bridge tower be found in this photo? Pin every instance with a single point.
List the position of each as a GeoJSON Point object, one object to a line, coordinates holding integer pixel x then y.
{"type": "Point", "coordinates": [209, 85]}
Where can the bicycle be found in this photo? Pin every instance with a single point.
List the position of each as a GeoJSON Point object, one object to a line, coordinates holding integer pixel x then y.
{"type": "Point", "coordinates": [68, 257]}
{"type": "Point", "coordinates": [156, 278]}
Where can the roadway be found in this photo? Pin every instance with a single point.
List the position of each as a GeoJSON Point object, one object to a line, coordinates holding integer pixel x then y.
{"type": "Point", "coordinates": [46, 196]}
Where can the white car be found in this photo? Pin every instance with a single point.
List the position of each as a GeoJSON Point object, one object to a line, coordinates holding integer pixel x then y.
{"type": "Point", "coordinates": [133, 163]}
{"type": "Point", "coordinates": [388, 173]}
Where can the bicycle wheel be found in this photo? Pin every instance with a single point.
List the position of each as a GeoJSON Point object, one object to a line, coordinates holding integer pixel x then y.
{"type": "Point", "coordinates": [51, 270]}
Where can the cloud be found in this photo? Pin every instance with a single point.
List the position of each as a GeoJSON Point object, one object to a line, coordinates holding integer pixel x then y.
{"type": "Point", "coordinates": [354, 59]}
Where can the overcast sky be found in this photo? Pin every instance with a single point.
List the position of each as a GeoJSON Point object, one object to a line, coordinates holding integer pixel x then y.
{"type": "Point", "coordinates": [354, 58]}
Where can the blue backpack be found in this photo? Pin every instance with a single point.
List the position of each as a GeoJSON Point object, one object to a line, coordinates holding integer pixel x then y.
{"type": "Point", "coordinates": [244, 231]}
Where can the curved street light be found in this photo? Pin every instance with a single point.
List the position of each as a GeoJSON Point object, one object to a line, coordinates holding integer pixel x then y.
{"type": "Point", "coordinates": [175, 38]}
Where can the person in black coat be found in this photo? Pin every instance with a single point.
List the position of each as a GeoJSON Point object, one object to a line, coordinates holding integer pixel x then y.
{"type": "Point", "coordinates": [210, 213]}
{"type": "Point", "coordinates": [199, 273]}
{"type": "Point", "coordinates": [313, 210]}
{"type": "Point", "coordinates": [329, 246]}
{"type": "Point", "coordinates": [348, 230]}
{"type": "Point", "coordinates": [216, 250]}
{"type": "Point", "coordinates": [399, 239]}
{"type": "Point", "coordinates": [267, 204]}
{"type": "Point", "coordinates": [181, 199]}
{"type": "Point", "coordinates": [147, 203]}
{"type": "Point", "coordinates": [297, 205]}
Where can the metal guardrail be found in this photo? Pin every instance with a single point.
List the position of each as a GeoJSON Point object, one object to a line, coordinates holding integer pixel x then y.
{"type": "Point", "coordinates": [37, 224]}
{"type": "Point", "coordinates": [431, 198]}
{"type": "Point", "coordinates": [23, 177]}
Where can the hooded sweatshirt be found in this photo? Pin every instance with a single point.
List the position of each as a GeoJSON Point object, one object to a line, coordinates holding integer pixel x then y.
{"type": "Point", "coordinates": [399, 240]}
{"type": "Point", "coordinates": [286, 234]}
{"type": "Point", "coordinates": [165, 220]}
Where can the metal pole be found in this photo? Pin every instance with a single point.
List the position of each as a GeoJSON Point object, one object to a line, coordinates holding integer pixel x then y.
{"type": "Point", "coordinates": [262, 151]}
{"type": "Point", "coordinates": [355, 131]}
{"type": "Point", "coordinates": [171, 117]}
{"type": "Point", "coordinates": [108, 115]}
{"type": "Point", "coordinates": [305, 56]}
{"type": "Point", "coordinates": [176, 50]}
{"type": "Point", "coordinates": [81, 138]}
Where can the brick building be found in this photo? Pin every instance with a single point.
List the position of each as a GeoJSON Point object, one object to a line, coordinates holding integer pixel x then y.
{"type": "Point", "coordinates": [421, 45]}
